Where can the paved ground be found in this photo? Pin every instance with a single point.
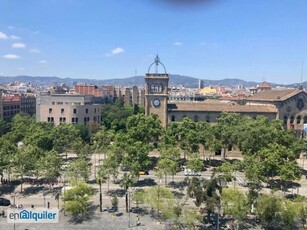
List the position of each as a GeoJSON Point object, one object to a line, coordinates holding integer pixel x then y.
{"type": "Point", "coordinates": [98, 220]}
{"type": "Point", "coordinates": [39, 196]}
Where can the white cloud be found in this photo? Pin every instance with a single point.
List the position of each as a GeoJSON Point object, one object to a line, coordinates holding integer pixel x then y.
{"type": "Point", "coordinates": [11, 56]}
{"type": "Point", "coordinates": [21, 68]}
{"type": "Point", "coordinates": [177, 43]}
{"type": "Point", "coordinates": [35, 51]}
{"type": "Point", "coordinates": [3, 35]}
{"type": "Point", "coordinates": [42, 62]}
{"type": "Point", "coordinates": [19, 45]}
{"type": "Point", "coordinates": [15, 37]}
{"type": "Point", "coordinates": [115, 51]}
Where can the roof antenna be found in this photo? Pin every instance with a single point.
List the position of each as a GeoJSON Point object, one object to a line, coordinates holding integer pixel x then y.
{"type": "Point", "coordinates": [302, 73]}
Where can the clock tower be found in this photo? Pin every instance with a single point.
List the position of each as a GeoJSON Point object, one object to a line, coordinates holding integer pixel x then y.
{"type": "Point", "coordinates": [156, 91]}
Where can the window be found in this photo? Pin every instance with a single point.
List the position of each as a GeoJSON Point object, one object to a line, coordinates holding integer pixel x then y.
{"type": "Point", "coordinates": [50, 110]}
{"type": "Point", "coordinates": [95, 110]}
{"type": "Point", "coordinates": [86, 110]}
{"type": "Point", "coordinates": [285, 120]}
{"type": "Point", "coordinates": [62, 119]}
{"type": "Point", "coordinates": [74, 120]}
{"type": "Point", "coordinates": [298, 119]}
{"type": "Point", "coordinates": [173, 118]}
{"type": "Point", "coordinates": [195, 118]}
{"type": "Point", "coordinates": [62, 110]}
{"type": "Point", "coordinates": [208, 118]}
{"type": "Point", "coordinates": [291, 119]}
{"type": "Point", "coordinates": [75, 111]}
{"type": "Point", "coordinates": [305, 119]}
{"type": "Point", "coordinates": [50, 119]}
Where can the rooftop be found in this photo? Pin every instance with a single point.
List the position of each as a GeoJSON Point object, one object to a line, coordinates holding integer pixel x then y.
{"type": "Point", "coordinates": [274, 95]}
{"type": "Point", "coordinates": [216, 107]}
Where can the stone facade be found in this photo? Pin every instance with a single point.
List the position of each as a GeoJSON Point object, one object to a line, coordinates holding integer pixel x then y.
{"type": "Point", "coordinates": [72, 109]}
{"type": "Point", "coordinates": [156, 96]}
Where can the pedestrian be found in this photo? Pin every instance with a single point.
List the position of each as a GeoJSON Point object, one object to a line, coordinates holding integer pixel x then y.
{"type": "Point", "coordinates": [137, 220]}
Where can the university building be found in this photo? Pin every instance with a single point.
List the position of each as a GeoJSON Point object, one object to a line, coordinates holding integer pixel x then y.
{"type": "Point", "coordinates": [67, 108]}
{"type": "Point", "coordinates": [289, 105]}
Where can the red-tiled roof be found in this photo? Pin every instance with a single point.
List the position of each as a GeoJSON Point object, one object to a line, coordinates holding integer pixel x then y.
{"type": "Point", "coordinates": [214, 107]}
{"type": "Point", "coordinates": [274, 95]}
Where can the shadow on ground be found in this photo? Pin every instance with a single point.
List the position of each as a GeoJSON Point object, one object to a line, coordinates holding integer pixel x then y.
{"type": "Point", "coordinates": [7, 188]}
{"type": "Point", "coordinates": [145, 182]}
{"type": "Point", "coordinates": [89, 216]}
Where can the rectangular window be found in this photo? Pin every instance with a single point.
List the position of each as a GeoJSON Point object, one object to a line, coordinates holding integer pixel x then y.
{"type": "Point", "coordinates": [50, 110]}
{"type": "Point", "coordinates": [62, 110]}
{"type": "Point", "coordinates": [86, 110]}
{"type": "Point", "coordinates": [95, 110]}
{"type": "Point", "coordinates": [62, 119]}
{"type": "Point", "coordinates": [75, 111]}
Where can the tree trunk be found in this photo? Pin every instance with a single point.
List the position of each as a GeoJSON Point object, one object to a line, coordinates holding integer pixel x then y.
{"type": "Point", "coordinates": [21, 183]}
{"type": "Point", "coordinates": [100, 196]}
{"type": "Point", "coordinates": [127, 199]}
{"type": "Point", "coordinates": [224, 153]}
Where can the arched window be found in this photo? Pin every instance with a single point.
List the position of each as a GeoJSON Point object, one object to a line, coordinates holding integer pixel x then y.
{"type": "Point", "coordinates": [291, 119]}
{"type": "Point", "coordinates": [156, 88]}
{"type": "Point", "coordinates": [285, 120]}
{"type": "Point", "coordinates": [160, 88]}
{"type": "Point", "coordinates": [196, 118]}
{"type": "Point", "coordinates": [173, 118]}
{"type": "Point", "coordinates": [152, 88]}
{"type": "Point", "coordinates": [298, 119]}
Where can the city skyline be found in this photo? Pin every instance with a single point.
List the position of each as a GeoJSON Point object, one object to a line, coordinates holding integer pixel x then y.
{"type": "Point", "coordinates": [252, 41]}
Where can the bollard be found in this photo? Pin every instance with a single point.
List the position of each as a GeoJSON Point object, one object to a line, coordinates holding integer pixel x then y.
{"type": "Point", "coordinates": [48, 204]}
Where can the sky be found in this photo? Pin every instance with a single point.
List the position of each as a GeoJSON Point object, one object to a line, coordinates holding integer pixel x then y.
{"type": "Point", "coordinates": [259, 40]}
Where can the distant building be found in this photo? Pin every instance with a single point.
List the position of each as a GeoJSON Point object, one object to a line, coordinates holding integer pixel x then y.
{"type": "Point", "coordinates": [67, 108]}
{"type": "Point", "coordinates": [28, 103]}
{"type": "Point", "coordinates": [264, 86]}
{"type": "Point", "coordinates": [103, 94]}
{"type": "Point", "coordinates": [11, 105]}
{"type": "Point", "coordinates": [200, 84]}
{"type": "Point", "coordinates": [131, 96]}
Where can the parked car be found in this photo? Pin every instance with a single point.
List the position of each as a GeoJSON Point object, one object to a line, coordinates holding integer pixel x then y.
{"type": "Point", "coordinates": [5, 202]}
{"type": "Point", "coordinates": [189, 172]}
{"type": "Point", "coordinates": [143, 172]}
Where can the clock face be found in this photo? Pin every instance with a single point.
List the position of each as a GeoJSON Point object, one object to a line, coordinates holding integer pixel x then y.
{"type": "Point", "coordinates": [156, 102]}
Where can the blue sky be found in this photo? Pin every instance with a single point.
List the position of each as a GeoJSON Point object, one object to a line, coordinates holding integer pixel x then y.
{"type": "Point", "coordinates": [252, 40]}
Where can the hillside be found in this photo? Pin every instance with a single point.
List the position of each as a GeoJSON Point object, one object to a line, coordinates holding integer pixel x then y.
{"type": "Point", "coordinates": [132, 81]}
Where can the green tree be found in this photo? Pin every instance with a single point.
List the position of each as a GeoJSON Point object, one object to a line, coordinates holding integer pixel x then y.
{"type": "Point", "coordinates": [168, 161]}
{"type": "Point", "coordinates": [8, 151]}
{"type": "Point", "coordinates": [64, 136]}
{"type": "Point", "coordinates": [28, 167]}
{"type": "Point", "coordinates": [50, 165]}
{"type": "Point", "coordinates": [195, 164]}
{"type": "Point", "coordinates": [78, 169]}
{"type": "Point", "coordinates": [127, 181]}
{"type": "Point", "coordinates": [77, 198]}
{"type": "Point", "coordinates": [226, 130]}
{"type": "Point", "coordinates": [234, 203]}
{"type": "Point", "coordinates": [161, 199]}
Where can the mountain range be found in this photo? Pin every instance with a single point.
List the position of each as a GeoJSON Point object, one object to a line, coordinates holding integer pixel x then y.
{"type": "Point", "coordinates": [139, 81]}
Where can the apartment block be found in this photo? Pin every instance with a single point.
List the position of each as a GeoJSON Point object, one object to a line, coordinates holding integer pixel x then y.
{"type": "Point", "coordinates": [67, 108]}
